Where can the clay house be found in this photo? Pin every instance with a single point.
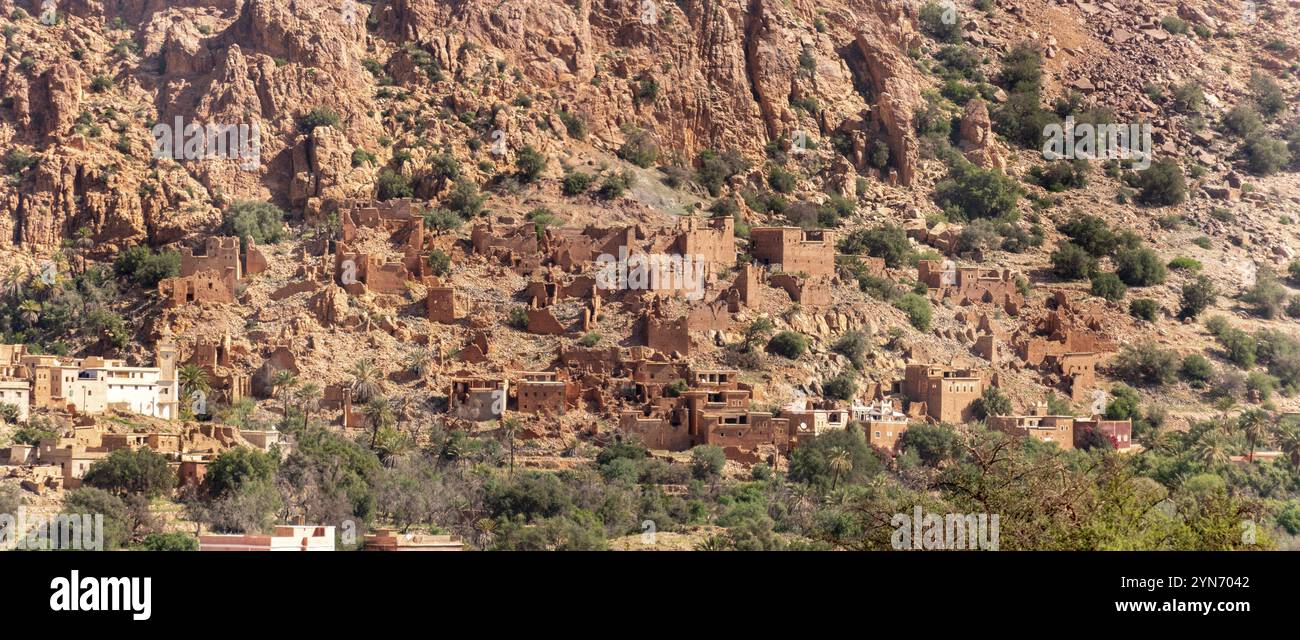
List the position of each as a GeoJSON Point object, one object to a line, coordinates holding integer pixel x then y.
{"type": "Point", "coordinates": [946, 395]}
{"type": "Point", "coordinates": [541, 392]}
{"type": "Point", "coordinates": [714, 409]}
{"type": "Point", "coordinates": [388, 539]}
{"type": "Point", "coordinates": [1119, 432]}
{"type": "Point", "coordinates": [1038, 425]}
{"type": "Point", "coordinates": [477, 398]}
{"type": "Point", "coordinates": [797, 251]}
{"type": "Point", "coordinates": [282, 538]}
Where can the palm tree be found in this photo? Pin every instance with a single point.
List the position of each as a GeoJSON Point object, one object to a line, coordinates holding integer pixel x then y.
{"type": "Point", "coordinates": [284, 380]}
{"type": "Point", "coordinates": [380, 415]}
{"type": "Point", "coordinates": [509, 428]}
{"type": "Point", "coordinates": [420, 362]}
{"type": "Point", "coordinates": [1212, 448]}
{"type": "Point", "coordinates": [1288, 440]}
{"type": "Point", "coordinates": [193, 378]}
{"type": "Point", "coordinates": [841, 463]}
{"type": "Point", "coordinates": [308, 395]}
{"type": "Point", "coordinates": [30, 311]}
{"type": "Point", "coordinates": [486, 529]}
{"type": "Point", "coordinates": [1254, 423]}
{"type": "Point", "coordinates": [365, 383]}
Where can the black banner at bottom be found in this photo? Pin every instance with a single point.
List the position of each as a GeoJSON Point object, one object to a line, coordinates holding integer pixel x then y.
{"type": "Point", "coordinates": [141, 590]}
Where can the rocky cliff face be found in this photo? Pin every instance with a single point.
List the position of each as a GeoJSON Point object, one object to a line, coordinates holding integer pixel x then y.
{"type": "Point", "coordinates": [695, 74]}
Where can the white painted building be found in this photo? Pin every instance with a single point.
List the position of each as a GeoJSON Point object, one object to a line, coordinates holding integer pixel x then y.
{"type": "Point", "coordinates": [136, 389]}
{"type": "Point", "coordinates": [17, 393]}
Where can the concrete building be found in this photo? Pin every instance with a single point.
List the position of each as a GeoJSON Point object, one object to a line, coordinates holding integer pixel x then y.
{"type": "Point", "coordinates": [283, 538]}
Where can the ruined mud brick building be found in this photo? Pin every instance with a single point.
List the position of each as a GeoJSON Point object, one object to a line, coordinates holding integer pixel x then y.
{"type": "Point", "coordinates": [1067, 345]}
{"type": "Point", "coordinates": [216, 359]}
{"type": "Point", "coordinates": [213, 276]}
{"type": "Point", "coordinates": [944, 394]}
{"type": "Point", "coordinates": [797, 251]}
{"type": "Point", "coordinates": [970, 285]}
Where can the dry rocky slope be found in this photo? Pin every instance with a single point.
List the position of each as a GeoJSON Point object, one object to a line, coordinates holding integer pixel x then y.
{"type": "Point", "coordinates": [410, 79]}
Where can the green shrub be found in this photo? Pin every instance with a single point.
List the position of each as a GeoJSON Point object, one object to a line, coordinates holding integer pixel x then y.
{"type": "Point", "coordinates": [782, 181]}
{"type": "Point", "coordinates": [970, 192]}
{"type": "Point", "coordinates": [576, 183]}
{"type": "Point", "coordinates": [640, 149]}
{"type": "Point", "coordinates": [1146, 363]}
{"type": "Point", "coordinates": [1062, 175]}
{"type": "Point", "coordinates": [841, 387]}
{"type": "Point", "coordinates": [1183, 263]}
{"type": "Point", "coordinates": [1240, 347]}
{"type": "Point", "coordinates": [317, 117]}
{"type": "Point", "coordinates": [888, 241]}
{"type": "Point", "coordinates": [439, 263]}
{"type": "Point", "coordinates": [1139, 267]}
{"type": "Point", "coordinates": [918, 310]}
{"type": "Point", "coordinates": [788, 344]}
{"type": "Point", "coordinates": [1265, 155]}
{"type": "Point", "coordinates": [1091, 233]}
{"type": "Point", "coordinates": [1196, 368]}
{"type": "Point", "coordinates": [714, 169]}
{"type": "Point", "coordinates": [1161, 184]}
{"type": "Point", "coordinates": [1144, 309]}
{"type": "Point", "coordinates": [939, 21]}
{"type": "Point", "coordinates": [1108, 285]}
{"type": "Point", "coordinates": [531, 163]}
{"type": "Point", "coordinates": [145, 268]}
{"type": "Point", "coordinates": [392, 184]}
{"type": "Point", "coordinates": [1197, 295]}
{"type": "Point", "coordinates": [1070, 262]}
{"type": "Point", "coordinates": [1243, 120]}
{"type": "Point", "coordinates": [464, 199]}
{"type": "Point", "coordinates": [261, 222]}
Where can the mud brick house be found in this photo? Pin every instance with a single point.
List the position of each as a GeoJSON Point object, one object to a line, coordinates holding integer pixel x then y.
{"type": "Point", "coordinates": [477, 398]}
{"type": "Point", "coordinates": [945, 394]}
{"type": "Point", "coordinates": [541, 392]}
{"type": "Point", "coordinates": [1120, 432]}
{"type": "Point", "coordinates": [666, 335]}
{"type": "Point", "coordinates": [516, 247]}
{"type": "Point", "coordinates": [215, 358]}
{"type": "Point", "coordinates": [798, 251]}
{"type": "Point", "coordinates": [1077, 372]}
{"type": "Point", "coordinates": [1038, 425]}
{"type": "Point", "coordinates": [714, 409]}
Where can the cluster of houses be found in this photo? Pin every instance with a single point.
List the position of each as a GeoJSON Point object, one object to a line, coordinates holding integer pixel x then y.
{"type": "Point", "coordinates": [88, 385]}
